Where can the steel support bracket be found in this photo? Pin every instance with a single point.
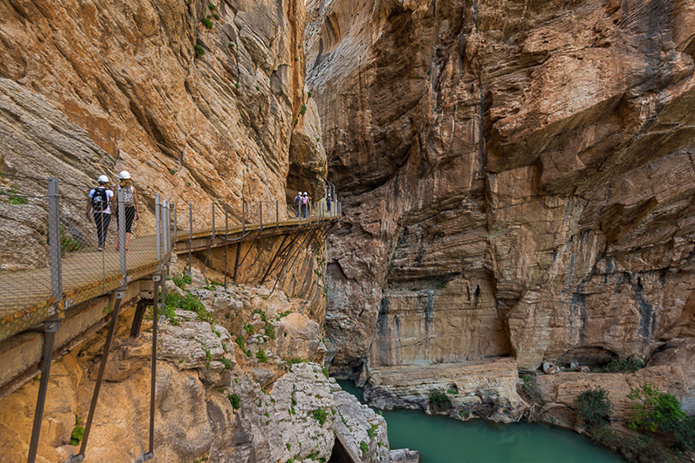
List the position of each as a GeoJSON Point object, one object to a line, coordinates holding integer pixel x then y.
{"type": "Point", "coordinates": [156, 277]}
{"type": "Point", "coordinates": [144, 457]}
{"type": "Point", "coordinates": [75, 459]}
{"type": "Point", "coordinates": [120, 294]}
{"type": "Point", "coordinates": [51, 326]}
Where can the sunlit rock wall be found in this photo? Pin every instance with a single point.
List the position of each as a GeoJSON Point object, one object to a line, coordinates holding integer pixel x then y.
{"type": "Point", "coordinates": [519, 175]}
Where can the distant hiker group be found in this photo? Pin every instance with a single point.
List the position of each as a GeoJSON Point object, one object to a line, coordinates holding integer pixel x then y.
{"type": "Point", "coordinates": [301, 201]}
{"type": "Point", "coordinates": [102, 204]}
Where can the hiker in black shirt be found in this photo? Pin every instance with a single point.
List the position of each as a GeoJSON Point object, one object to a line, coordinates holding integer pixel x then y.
{"type": "Point", "coordinates": [99, 207]}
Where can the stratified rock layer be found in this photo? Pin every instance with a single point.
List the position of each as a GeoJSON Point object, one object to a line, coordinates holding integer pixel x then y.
{"type": "Point", "coordinates": [197, 114]}
{"type": "Point", "coordinates": [520, 174]}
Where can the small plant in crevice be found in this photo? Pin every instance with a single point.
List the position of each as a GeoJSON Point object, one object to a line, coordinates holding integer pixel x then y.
{"type": "Point", "coordinates": [77, 432]}
{"type": "Point", "coordinates": [212, 6]}
{"type": "Point", "coordinates": [320, 415]}
{"type": "Point", "coordinates": [216, 16]}
{"type": "Point", "coordinates": [364, 447]}
{"type": "Point", "coordinates": [261, 356]}
{"type": "Point", "coordinates": [303, 110]}
{"type": "Point", "coordinates": [235, 400]}
{"type": "Point", "coordinates": [207, 23]}
{"type": "Point", "coordinates": [618, 366]}
{"type": "Point", "coordinates": [199, 51]}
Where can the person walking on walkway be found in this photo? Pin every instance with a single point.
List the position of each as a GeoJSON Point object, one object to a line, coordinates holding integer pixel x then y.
{"type": "Point", "coordinates": [328, 203]}
{"type": "Point", "coordinates": [297, 202]}
{"type": "Point", "coordinates": [131, 204]}
{"type": "Point", "coordinates": [305, 204]}
{"type": "Point", "coordinates": [99, 209]}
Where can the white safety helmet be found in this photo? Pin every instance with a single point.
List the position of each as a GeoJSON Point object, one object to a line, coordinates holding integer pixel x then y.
{"type": "Point", "coordinates": [103, 179]}
{"type": "Point", "coordinates": [300, 193]}
{"type": "Point", "coordinates": [124, 175]}
{"type": "Point", "coordinates": [305, 193]}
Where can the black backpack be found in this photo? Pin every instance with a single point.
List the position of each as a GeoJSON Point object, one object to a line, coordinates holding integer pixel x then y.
{"type": "Point", "coordinates": [100, 201]}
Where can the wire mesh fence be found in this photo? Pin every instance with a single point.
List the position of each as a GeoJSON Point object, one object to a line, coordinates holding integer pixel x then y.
{"type": "Point", "coordinates": [65, 242]}
{"type": "Point", "coordinates": [64, 246]}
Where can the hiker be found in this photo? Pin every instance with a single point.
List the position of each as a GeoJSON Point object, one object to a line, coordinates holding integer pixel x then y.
{"type": "Point", "coordinates": [328, 203]}
{"type": "Point", "coordinates": [132, 207]}
{"type": "Point", "coordinates": [297, 201]}
{"type": "Point", "coordinates": [99, 208]}
{"type": "Point", "coordinates": [305, 204]}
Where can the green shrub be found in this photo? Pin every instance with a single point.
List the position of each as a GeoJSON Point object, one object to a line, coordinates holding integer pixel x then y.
{"type": "Point", "coordinates": [320, 415]}
{"type": "Point", "coordinates": [206, 22]}
{"type": "Point", "coordinates": [371, 432]}
{"type": "Point", "coordinates": [227, 363]}
{"type": "Point", "coordinates": [13, 196]}
{"type": "Point", "coordinates": [212, 7]}
{"type": "Point", "coordinates": [303, 110]}
{"type": "Point", "coordinates": [652, 409]}
{"type": "Point", "coordinates": [594, 407]}
{"type": "Point", "coordinates": [364, 447]}
{"type": "Point", "coordinates": [235, 400]}
{"type": "Point", "coordinates": [199, 51]}
{"type": "Point", "coordinates": [269, 330]}
{"type": "Point", "coordinates": [77, 432]}
{"type": "Point", "coordinates": [216, 16]}
{"type": "Point", "coordinates": [325, 372]}
{"type": "Point", "coordinates": [261, 356]}
{"type": "Point", "coordinates": [182, 280]}
{"type": "Point", "coordinates": [682, 432]}
{"type": "Point", "coordinates": [439, 399]}
{"type": "Point", "coordinates": [617, 365]}
{"type": "Point", "coordinates": [296, 360]}
{"type": "Point", "coordinates": [188, 302]}
{"type": "Point", "coordinates": [248, 328]}
{"type": "Point", "coordinates": [240, 342]}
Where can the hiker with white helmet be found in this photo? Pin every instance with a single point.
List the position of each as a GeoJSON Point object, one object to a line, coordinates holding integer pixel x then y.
{"type": "Point", "coordinates": [99, 208]}
{"type": "Point", "coordinates": [305, 204]}
{"type": "Point", "coordinates": [131, 205]}
{"type": "Point", "coordinates": [297, 202]}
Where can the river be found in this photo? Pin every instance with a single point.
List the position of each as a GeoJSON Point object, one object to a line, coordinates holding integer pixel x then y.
{"type": "Point", "coordinates": [445, 440]}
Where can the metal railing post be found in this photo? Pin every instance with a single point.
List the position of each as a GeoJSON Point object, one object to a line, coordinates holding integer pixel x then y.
{"type": "Point", "coordinates": [158, 229]}
{"type": "Point", "coordinates": [52, 325]}
{"type": "Point", "coordinates": [175, 228]}
{"type": "Point", "coordinates": [190, 239]}
{"type": "Point", "coordinates": [121, 232]}
{"type": "Point", "coordinates": [167, 230]}
{"type": "Point", "coordinates": [226, 239]}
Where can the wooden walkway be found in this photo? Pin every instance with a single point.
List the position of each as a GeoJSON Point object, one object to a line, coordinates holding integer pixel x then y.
{"type": "Point", "coordinates": [25, 296]}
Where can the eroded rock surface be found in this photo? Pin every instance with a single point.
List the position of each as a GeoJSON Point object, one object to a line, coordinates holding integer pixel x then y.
{"type": "Point", "coordinates": [520, 179]}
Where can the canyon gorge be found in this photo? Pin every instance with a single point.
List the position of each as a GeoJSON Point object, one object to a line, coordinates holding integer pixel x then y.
{"type": "Point", "coordinates": [518, 187]}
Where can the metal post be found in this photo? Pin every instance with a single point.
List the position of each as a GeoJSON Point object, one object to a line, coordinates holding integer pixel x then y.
{"type": "Point", "coordinates": [121, 232]}
{"type": "Point", "coordinates": [261, 213]}
{"type": "Point", "coordinates": [52, 325]}
{"type": "Point", "coordinates": [213, 221]}
{"type": "Point", "coordinates": [175, 228]}
{"type": "Point", "coordinates": [153, 385]}
{"type": "Point", "coordinates": [157, 223]}
{"type": "Point", "coordinates": [226, 238]}
{"type": "Point", "coordinates": [167, 230]}
{"type": "Point", "coordinates": [100, 376]}
{"type": "Point", "coordinates": [190, 239]}
{"type": "Point", "coordinates": [277, 213]}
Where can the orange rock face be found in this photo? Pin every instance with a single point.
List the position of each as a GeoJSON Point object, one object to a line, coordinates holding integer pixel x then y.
{"type": "Point", "coordinates": [521, 178]}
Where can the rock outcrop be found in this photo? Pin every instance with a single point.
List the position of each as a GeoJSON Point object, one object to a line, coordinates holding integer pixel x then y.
{"type": "Point", "coordinates": [520, 179]}
{"type": "Point", "coordinates": [217, 396]}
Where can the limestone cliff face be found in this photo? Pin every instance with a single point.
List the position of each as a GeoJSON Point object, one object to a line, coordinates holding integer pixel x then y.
{"type": "Point", "coordinates": [520, 175]}
{"type": "Point", "coordinates": [195, 113]}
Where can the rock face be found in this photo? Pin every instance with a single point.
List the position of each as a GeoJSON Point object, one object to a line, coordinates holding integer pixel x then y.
{"type": "Point", "coordinates": [520, 176]}
{"type": "Point", "coordinates": [198, 114]}
{"type": "Point", "coordinates": [214, 398]}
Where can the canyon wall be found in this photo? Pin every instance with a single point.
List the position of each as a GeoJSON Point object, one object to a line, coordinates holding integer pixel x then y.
{"type": "Point", "coordinates": [518, 178]}
{"type": "Point", "coordinates": [201, 101]}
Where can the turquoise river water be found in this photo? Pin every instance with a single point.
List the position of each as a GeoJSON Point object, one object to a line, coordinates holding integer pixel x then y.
{"type": "Point", "coordinates": [445, 440]}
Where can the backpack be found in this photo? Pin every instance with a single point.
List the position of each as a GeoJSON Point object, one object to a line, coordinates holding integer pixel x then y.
{"type": "Point", "coordinates": [128, 196]}
{"type": "Point", "coordinates": [100, 201]}
{"type": "Point", "coordinates": [305, 200]}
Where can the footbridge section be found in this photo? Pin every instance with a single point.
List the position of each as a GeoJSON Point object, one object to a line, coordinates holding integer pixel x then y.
{"type": "Point", "coordinates": [77, 281]}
